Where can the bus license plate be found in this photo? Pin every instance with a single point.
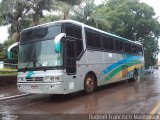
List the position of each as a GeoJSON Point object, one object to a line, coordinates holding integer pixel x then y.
{"type": "Point", "coordinates": [34, 87]}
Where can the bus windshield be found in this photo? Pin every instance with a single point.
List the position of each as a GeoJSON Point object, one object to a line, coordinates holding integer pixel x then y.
{"type": "Point", "coordinates": [40, 33]}
{"type": "Point", "coordinates": [40, 53]}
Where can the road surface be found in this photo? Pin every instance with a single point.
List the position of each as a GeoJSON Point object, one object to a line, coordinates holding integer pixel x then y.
{"type": "Point", "coordinates": [120, 98]}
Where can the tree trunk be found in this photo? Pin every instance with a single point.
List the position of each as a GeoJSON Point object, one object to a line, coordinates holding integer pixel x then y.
{"type": "Point", "coordinates": [65, 15]}
{"type": "Point", "coordinates": [35, 19]}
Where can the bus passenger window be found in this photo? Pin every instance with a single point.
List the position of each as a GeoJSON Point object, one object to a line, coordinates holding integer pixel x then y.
{"type": "Point", "coordinates": [119, 46]}
{"type": "Point", "coordinates": [128, 47]}
{"type": "Point", "coordinates": [97, 40]}
{"type": "Point", "coordinates": [73, 31]}
{"type": "Point", "coordinates": [134, 49]}
{"type": "Point", "coordinates": [78, 32]}
{"type": "Point", "coordinates": [105, 42]}
{"type": "Point", "coordinates": [111, 44]}
{"type": "Point", "coordinates": [79, 47]}
{"type": "Point", "coordinates": [89, 38]}
{"type": "Point", "coordinates": [70, 51]}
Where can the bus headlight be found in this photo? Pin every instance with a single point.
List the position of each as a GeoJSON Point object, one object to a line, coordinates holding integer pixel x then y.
{"type": "Point", "coordinates": [47, 79]}
{"type": "Point", "coordinates": [50, 79]}
{"type": "Point", "coordinates": [21, 79]}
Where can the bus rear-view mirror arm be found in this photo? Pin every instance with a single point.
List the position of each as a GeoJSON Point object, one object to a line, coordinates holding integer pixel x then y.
{"type": "Point", "coordinates": [9, 53]}
{"type": "Point", "coordinates": [57, 42]}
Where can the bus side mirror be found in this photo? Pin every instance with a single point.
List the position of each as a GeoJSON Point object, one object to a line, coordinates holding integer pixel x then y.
{"type": "Point", "coordinates": [9, 53]}
{"type": "Point", "coordinates": [57, 42]}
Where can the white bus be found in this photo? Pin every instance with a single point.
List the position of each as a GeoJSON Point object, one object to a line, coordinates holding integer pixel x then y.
{"type": "Point", "coordinates": [67, 56]}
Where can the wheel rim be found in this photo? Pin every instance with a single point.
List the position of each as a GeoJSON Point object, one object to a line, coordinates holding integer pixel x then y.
{"type": "Point", "coordinates": [89, 84]}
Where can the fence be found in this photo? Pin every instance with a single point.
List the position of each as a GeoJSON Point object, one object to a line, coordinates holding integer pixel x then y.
{"type": "Point", "coordinates": [8, 65]}
{"type": "Point", "coordinates": [8, 70]}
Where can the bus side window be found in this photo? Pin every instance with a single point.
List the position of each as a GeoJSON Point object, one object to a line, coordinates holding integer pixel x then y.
{"type": "Point", "coordinates": [89, 38]}
{"type": "Point", "coordinates": [79, 47]}
{"type": "Point", "coordinates": [119, 45]}
{"type": "Point", "coordinates": [97, 40]}
{"type": "Point", "coordinates": [73, 31]}
{"type": "Point", "coordinates": [93, 39]}
{"type": "Point", "coordinates": [134, 49]}
{"type": "Point", "coordinates": [105, 42]}
{"type": "Point", "coordinates": [111, 44]}
{"type": "Point", "coordinates": [127, 47]}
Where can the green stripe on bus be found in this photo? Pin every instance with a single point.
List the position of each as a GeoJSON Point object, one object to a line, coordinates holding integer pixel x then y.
{"type": "Point", "coordinates": [118, 69]}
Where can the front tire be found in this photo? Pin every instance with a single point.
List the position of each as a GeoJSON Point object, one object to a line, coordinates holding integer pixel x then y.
{"type": "Point", "coordinates": [89, 84]}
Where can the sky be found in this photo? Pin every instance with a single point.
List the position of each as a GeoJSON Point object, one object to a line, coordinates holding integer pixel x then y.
{"type": "Point", "coordinates": [3, 33]}
{"type": "Point", "coordinates": [154, 3]}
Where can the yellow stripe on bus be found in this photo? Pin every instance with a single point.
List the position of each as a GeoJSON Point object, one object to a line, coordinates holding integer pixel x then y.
{"type": "Point", "coordinates": [119, 74]}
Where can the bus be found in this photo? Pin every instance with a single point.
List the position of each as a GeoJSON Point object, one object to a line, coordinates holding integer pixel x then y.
{"type": "Point", "coordinates": [67, 56]}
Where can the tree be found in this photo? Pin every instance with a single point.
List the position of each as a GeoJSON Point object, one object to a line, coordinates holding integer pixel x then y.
{"type": "Point", "coordinates": [72, 2]}
{"type": "Point", "coordinates": [21, 13]}
{"type": "Point", "coordinates": [12, 12]}
{"type": "Point", "coordinates": [49, 18]}
{"type": "Point", "coordinates": [1, 47]}
{"type": "Point", "coordinates": [65, 6]}
{"type": "Point", "coordinates": [86, 14]}
{"type": "Point", "coordinates": [133, 20]}
{"type": "Point", "coordinates": [151, 49]}
{"type": "Point", "coordinates": [36, 8]}
{"type": "Point", "coordinates": [4, 57]}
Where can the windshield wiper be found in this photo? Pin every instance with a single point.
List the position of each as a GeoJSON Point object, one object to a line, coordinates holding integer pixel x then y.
{"type": "Point", "coordinates": [30, 60]}
{"type": "Point", "coordinates": [25, 69]}
{"type": "Point", "coordinates": [37, 61]}
{"type": "Point", "coordinates": [34, 60]}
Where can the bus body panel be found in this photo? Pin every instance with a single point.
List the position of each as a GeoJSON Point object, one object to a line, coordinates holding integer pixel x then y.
{"type": "Point", "coordinates": [108, 70]}
{"type": "Point", "coordinates": [108, 66]}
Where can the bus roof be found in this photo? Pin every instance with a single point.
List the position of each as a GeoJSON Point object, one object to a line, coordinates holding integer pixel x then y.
{"type": "Point", "coordinates": [84, 25]}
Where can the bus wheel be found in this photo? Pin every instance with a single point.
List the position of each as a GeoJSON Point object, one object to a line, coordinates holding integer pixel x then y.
{"type": "Point", "coordinates": [89, 84]}
{"type": "Point", "coordinates": [135, 75]}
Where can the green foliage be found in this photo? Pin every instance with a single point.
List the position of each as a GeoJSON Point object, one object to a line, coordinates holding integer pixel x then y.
{"type": "Point", "coordinates": [20, 13]}
{"type": "Point", "coordinates": [10, 11]}
{"type": "Point", "coordinates": [151, 50]}
{"type": "Point", "coordinates": [65, 7]}
{"type": "Point", "coordinates": [49, 18]}
{"type": "Point", "coordinates": [72, 2]}
{"type": "Point", "coordinates": [87, 15]}
{"type": "Point", "coordinates": [14, 12]}
{"type": "Point", "coordinates": [36, 8]}
{"type": "Point", "coordinates": [4, 52]}
{"type": "Point", "coordinates": [1, 48]}
{"type": "Point", "coordinates": [22, 24]}
{"type": "Point", "coordinates": [128, 18]}
{"type": "Point", "coordinates": [133, 20]}
{"type": "Point", "coordinates": [8, 72]}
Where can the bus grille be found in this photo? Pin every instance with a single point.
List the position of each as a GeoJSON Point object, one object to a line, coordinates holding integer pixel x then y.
{"type": "Point", "coordinates": [34, 79]}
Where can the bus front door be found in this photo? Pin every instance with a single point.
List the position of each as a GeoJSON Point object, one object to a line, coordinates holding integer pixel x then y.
{"type": "Point", "coordinates": [70, 57]}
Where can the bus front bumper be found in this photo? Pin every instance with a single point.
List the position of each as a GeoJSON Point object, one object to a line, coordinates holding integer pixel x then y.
{"type": "Point", "coordinates": [42, 88]}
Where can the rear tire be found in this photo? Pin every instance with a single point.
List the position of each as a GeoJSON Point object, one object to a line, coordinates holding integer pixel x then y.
{"type": "Point", "coordinates": [89, 84]}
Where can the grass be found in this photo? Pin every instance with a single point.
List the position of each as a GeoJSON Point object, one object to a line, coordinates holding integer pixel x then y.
{"type": "Point", "coordinates": [8, 72]}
